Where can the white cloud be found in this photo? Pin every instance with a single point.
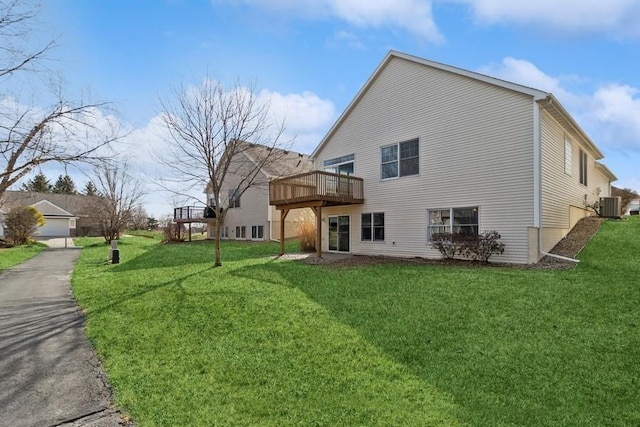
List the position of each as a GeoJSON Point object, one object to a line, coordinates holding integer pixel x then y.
{"type": "Point", "coordinates": [610, 114]}
{"type": "Point", "coordinates": [528, 74]}
{"type": "Point", "coordinates": [302, 112]}
{"type": "Point", "coordinates": [612, 17]}
{"type": "Point", "coordinates": [617, 109]}
{"type": "Point", "coordinates": [414, 16]}
{"type": "Point", "coordinates": [306, 116]}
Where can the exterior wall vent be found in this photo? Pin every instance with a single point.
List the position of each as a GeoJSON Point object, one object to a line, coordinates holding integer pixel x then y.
{"type": "Point", "coordinates": [610, 207]}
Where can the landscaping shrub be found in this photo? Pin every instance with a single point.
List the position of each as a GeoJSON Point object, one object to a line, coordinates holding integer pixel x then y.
{"type": "Point", "coordinates": [481, 247]}
{"type": "Point", "coordinates": [444, 243]}
{"type": "Point", "coordinates": [477, 248]}
{"type": "Point", "coordinates": [306, 231]}
{"type": "Point", "coordinates": [21, 223]}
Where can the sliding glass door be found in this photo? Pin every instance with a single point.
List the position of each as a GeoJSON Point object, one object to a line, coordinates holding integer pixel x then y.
{"type": "Point", "coordinates": [339, 233]}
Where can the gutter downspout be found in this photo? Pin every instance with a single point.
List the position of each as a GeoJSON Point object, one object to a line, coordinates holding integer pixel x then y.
{"type": "Point", "coordinates": [537, 183]}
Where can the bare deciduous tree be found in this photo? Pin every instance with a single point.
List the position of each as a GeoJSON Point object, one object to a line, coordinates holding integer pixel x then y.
{"type": "Point", "coordinates": [120, 194]}
{"type": "Point", "coordinates": [16, 22]}
{"type": "Point", "coordinates": [29, 137]}
{"type": "Point", "coordinates": [212, 131]}
{"type": "Point", "coordinates": [139, 218]}
{"type": "Point", "coordinates": [627, 195]}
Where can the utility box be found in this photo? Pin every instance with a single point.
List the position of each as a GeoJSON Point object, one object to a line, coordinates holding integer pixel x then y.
{"type": "Point", "coordinates": [115, 256]}
{"type": "Point", "coordinates": [112, 249]}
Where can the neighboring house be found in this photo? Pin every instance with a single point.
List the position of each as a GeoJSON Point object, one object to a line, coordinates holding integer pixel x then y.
{"type": "Point", "coordinates": [426, 147]}
{"type": "Point", "coordinates": [65, 214]}
{"type": "Point", "coordinates": [634, 205]}
{"type": "Point", "coordinates": [250, 217]}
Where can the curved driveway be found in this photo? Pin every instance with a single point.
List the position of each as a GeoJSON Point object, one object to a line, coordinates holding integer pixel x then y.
{"type": "Point", "coordinates": [49, 374]}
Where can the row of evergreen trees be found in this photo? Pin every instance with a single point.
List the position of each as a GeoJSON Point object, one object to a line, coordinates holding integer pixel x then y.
{"type": "Point", "coordinates": [64, 185]}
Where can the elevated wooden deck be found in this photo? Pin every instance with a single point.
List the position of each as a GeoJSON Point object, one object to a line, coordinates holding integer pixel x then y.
{"type": "Point", "coordinates": [316, 188]}
{"type": "Point", "coordinates": [193, 214]}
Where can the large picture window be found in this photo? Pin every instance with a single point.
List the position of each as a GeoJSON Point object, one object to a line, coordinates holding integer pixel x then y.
{"type": "Point", "coordinates": [583, 167]}
{"type": "Point", "coordinates": [402, 159]}
{"type": "Point", "coordinates": [372, 227]}
{"type": "Point", "coordinates": [342, 165]}
{"type": "Point", "coordinates": [457, 221]}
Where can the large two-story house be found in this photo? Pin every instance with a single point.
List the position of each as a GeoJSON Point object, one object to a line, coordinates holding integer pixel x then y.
{"type": "Point", "coordinates": [426, 147]}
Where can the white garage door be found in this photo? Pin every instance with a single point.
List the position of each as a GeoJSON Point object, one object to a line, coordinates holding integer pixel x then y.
{"type": "Point", "coordinates": [55, 227]}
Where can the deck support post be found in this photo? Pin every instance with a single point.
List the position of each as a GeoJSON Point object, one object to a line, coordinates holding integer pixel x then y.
{"type": "Point", "coordinates": [318, 211]}
{"type": "Point", "coordinates": [283, 216]}
{"type": "Point", "coordinates": [189, 231]}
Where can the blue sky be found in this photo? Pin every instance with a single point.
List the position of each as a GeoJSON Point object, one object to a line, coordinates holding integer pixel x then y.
{"type": "Point", "coordinates": [312, 57]}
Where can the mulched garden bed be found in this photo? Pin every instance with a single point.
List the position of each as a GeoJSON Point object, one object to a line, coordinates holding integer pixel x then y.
{"type": "Point", "coordinates": [569, 247]}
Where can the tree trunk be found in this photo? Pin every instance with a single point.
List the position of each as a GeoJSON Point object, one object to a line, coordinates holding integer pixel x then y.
{"type": "Point", "coordinates": [218, 261]}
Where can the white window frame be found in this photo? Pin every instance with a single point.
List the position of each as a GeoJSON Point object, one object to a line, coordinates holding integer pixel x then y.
{"type": "Point", "coordinates": [224, 232]}
{"type": "Point", "coordinates": [241, 232]}
{"type": "Point", "coordinates": [448, 227]}
{"type": "Point", "coordinates": [398, 159]}
{"type": "Point", "coordinates": [372, 226]}
{"type": "Point", "coordinates": [568, 156]}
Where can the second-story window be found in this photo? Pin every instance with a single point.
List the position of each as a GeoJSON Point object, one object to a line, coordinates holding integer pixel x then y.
{"type": "Point", "coordinates": [234, 198]}
{"type": "Point", "coordinates": [402, 159]}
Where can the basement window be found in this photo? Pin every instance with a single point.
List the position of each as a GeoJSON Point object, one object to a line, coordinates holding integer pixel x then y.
{"type": "Point", "coordinates": [457, 221]}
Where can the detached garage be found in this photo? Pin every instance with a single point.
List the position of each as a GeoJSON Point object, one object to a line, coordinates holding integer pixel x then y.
{"type": "Point", "coordinates": [59, 223]}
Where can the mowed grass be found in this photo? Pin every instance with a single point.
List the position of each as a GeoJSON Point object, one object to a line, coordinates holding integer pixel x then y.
{"type": "Point", "coordinates": [271, 342]}
{"type": "Point", "coordinates": [16, 255]}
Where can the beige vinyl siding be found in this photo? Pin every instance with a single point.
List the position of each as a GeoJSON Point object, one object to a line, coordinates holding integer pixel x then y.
{"type": "Point", "coordinates": [254, 202]}
{"type": "Point", "coordinates": [534, 254]}
{"type": "Point", "coordinates": [476, 149]}
{"type": "Point", "coordinates": [563, 197]}
{"type": "Point", "coordinates": [294, 218]}
{"type": "Point", "coordinates": [253, 210]}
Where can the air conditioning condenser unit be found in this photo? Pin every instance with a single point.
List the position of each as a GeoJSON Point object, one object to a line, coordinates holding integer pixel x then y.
{"type": "Point", "coordinates": [610, 207]}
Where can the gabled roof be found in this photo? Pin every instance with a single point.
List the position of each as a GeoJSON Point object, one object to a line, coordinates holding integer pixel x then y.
{"type": "Point", "coordinates": [74, 204]}
{"type": "Point", "coordinates": [546, 100]}
{"type": "Point", "coordinates": [46, 208]}
{"type": "Point", "coordinates": [284, 163]}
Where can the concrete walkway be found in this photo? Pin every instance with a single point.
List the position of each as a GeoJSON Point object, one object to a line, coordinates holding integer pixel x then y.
{"type": "Point", "coordinates": [58, 242]}
{"type": "Point", "coordinates": [49, 374]}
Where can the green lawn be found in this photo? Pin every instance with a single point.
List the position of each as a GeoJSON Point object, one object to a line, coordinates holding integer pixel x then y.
{"type": "Point", "coordinates": [269, 342]}
{"type": "Point", "coordinates": [14, 256]}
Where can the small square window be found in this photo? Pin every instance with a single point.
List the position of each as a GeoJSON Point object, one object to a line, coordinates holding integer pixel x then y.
{"type": "Point", "coordinates": [372, 227]}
